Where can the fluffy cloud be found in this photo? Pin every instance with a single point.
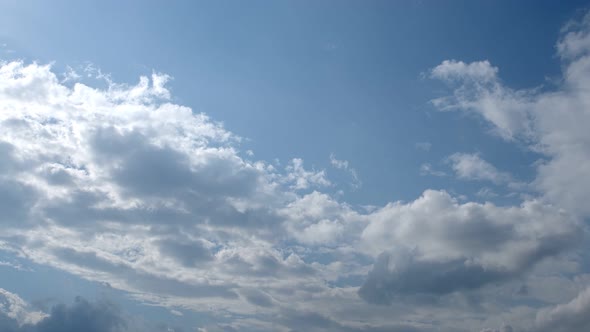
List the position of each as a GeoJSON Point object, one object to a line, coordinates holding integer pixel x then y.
{"type": "Point", "coordinates": [473, 167]}
{"type": "Point", "coordinates": [434, 245]}
{"type": "Point", "coordinates": [120, 185]}
{"type": "Point", "coordinates": [479, 90]}
{"type": "Point", "coordinates": [304, 179]}
{"type": "Point", "coordinates": [82, 315]}
{"type": "Point", "coordinates": [567, 317]}
{"type": "Point", "coordinates": [552, 123]}
{"type": "Point", "coordinates": [576, 40]}
{"type": "Point", "coordinates": [16, 311]}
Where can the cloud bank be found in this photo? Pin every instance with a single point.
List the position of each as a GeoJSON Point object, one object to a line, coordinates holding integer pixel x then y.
{"type": "Point", "coordinates": [121, 185]}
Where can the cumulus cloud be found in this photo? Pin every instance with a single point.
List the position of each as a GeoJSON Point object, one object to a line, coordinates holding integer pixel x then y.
{"type": "Point", "coordinates": [319, 219]}
{"type": "Point", "coordinates": [82, 315]}
{"type": "Point", "coordinates": [576, 39]}
{"type": "Point", "coordinates": [427, 169]}
{"type": "Point", "coordinates": [479, 90]}
{"type": "Point", "coordinates": [434, 245]}
{"type": "Point", "coordinates": [566, 317]}
{"type": "Point", "coordinates": [121, 185]}
{"type": "Point", "coordinates": [300, 178]}
{"type": "Point", "coordinates": [553, 123]}
{"type": "Point", "coordinates": [473, 167]}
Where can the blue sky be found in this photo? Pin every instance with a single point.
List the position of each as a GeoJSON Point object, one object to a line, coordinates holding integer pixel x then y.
{"type": "Point", "coordinates": [348, 74]}
{"type": "Point", "coordinates": [295, 165]}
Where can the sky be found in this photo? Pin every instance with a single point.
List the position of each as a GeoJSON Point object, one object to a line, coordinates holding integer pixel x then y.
{"type": "Point", "coordinates": [367, 166]}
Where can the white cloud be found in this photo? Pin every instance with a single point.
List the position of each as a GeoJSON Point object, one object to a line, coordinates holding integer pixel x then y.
{"type": "Point", "coordinates": [426, 169]}
{"type": "Point", "coordinates": [70, 75]}
{"type": "Point", "coordinates": [344, 165]}
{"type": "Point", "coordinates": [436, 245]}
{"type": "Point", "coordinates": [480, 71]}
{"type": "Point", "coordinates": [110, 166]}
{"type": "Point", "coordinates": [473, 167]}
{"type": "Point", "coordinates": [553, 123]}
{"type": "Point", "coordinates": [120, 185]}
{"type": "Point", "coordinates": [176, 313]}
{"type": "Point", "coordinates": [566, 317]}
{"type": "Point", "coordinates": [480, 91]}
{"type": "Point", "coordinates": [318, 219]}
{"type": "Point", "coordinates": [486, 193]}
{"type": "Point", "coordinates": [576, 40]}
{"type": "Point", "coordinates": [16, 308]}
{"type": "Point", "coordinates": [300, 178]}
{"type": "Point", "coordinates": [15, 266]}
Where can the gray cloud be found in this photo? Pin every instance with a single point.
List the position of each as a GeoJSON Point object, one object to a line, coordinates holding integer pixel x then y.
{"type": "Point", "coordinates": [435, 245]}
{"type": "Point", "coordinates": [506, 328]}
{"type": "Point", "coordinates": [572, 316]}
{"type": "Point", "coordinates": [257, 297]}
{"type": "Point", "coordinates": [187, 252]}
{"type": "Point", "coordinates": [312, 321]}
{"type": "Point", "coordinates": [144, 281]}
{"type": "Point", "coordinates": [386, 284]}
{"type": "Point", "coordinates": [16, 202]}
{"type": "Point", "coordinates": [122, 186]}
{"type": "Point", "coordinates": [82, 315]}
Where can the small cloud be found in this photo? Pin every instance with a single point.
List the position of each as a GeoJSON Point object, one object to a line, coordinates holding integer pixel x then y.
{"type": "Point", "coordinates": [176, 312]}
{"type": "Point", "coordinates": [15, 266]}
{"type": "Point", "coordinates": [424, 146]}
{"type": "Point", "coordinates": [300, 178]}
{"type": "Point", "coordinates": [426, 169]}
{"type": "Point", "coordinates": [15, 308]}
{"type": "Point", "coordinates": [451, 70]}
{"type": "Point", "coordinates": [345, 165]}
{"type": "Point", "coordinates": [330, 46]}
{"type": "Point", "coordinates": [70, 75]}
{"type": "Point", "coordinates": [486, 193]}
{"type": "Point", "coordinates": [472, 167]}
{"type": "Point", "coordinates": [340, 164]}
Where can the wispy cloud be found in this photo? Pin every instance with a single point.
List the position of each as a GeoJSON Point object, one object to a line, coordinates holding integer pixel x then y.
{"type": "Point", "coordinates": [344, 165]}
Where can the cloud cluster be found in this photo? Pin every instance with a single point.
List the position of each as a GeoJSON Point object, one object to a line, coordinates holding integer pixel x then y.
{"type": "Point", "coordinates": [552, 123]}
{"type": "Point", "coordinates": [434, 245]}
{"type": "Point", "coordinates": [82, 315]}
{"type": "Point", "coordinates": [121, 185]}
{"type": "Point", "coordinates": [571, 316]}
